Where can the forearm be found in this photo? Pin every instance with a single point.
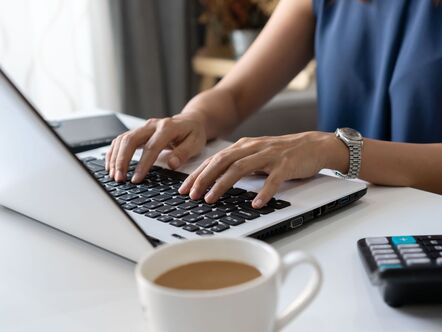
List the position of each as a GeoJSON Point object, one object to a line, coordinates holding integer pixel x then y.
{"type": "Point", "coordinates": [396, 164]}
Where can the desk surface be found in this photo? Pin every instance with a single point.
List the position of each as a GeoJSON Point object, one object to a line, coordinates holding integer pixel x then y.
{"type": "Point", "coordinates": [53, 282]}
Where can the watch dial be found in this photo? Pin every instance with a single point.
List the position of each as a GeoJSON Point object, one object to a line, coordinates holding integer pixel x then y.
{"type": "Point", "coordinates": [351, 134]}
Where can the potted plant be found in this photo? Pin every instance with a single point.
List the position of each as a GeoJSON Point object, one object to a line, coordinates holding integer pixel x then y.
{"type": "Point", "coordinates": [238, 21]}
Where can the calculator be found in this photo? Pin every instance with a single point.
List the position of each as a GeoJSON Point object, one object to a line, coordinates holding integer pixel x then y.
{"type": "Point", "coordinates": [407, 269]}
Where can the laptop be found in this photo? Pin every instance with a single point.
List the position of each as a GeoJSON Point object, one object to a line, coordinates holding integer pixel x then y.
{"type": "Point", "coordinates": [42, 179]}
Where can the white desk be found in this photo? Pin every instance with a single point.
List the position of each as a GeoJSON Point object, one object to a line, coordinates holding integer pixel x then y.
{"type": "Point", "coordinates": [52, 282]}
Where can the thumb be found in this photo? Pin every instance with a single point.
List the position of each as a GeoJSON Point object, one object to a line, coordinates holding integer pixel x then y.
{"type": "Point", "coordinates": [184, 151]}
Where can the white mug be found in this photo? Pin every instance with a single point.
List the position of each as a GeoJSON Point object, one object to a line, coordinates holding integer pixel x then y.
{"type": "Point", "coordinates": [246, 307]}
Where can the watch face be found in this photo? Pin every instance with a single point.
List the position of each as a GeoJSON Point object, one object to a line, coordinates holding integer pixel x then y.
{"type": "Point", "coordinates": [351, 134]}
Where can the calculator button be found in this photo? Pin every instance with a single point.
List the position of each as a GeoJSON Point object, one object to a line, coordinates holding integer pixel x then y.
{"type": "Point", "coordinates": [386, 256]}
{"type": "Point", "coordinates": [382, 251]}
{"type": "Point", "coordinates": [376, 240]}
{"type": "Point", "coordinates": [403, 240]}
{"type": "Point", "coordinates": [439, 261]}
{"type": "Point", "coordinates": [410, 250]}
{"type": "Point", "coordinates": [410, 245]}
{"type": "Point", "coordinates": [388, 261]}
{"type": "Point", "coordinates": [380, 246]}
{"type": "Point", "coordinates": [418, 261]}
{"type": "Point", "coordinates": [390, 266]}
{"type": "Point", "coordinates": [418, 255]}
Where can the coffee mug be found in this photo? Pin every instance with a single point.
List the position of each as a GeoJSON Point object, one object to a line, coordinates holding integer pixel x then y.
{"type": "Point", "coordinates": [246, 307]}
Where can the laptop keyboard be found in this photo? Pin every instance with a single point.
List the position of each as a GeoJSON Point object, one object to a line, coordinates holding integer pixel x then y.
{"type": "Point", "coordinates": [158, 198]}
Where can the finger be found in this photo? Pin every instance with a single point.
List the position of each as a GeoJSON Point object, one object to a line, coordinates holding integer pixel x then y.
{"type": "Point", "coordinates": [271, 185]}
{"type": "Point", "coordinates": [219, 163]}
{"type": "Point", "coordinates": [188, 183]}
{"type": "Point", "coordinates": [234, 173]}
{"type": "Point", "coordinates": [128, 144]}
{"type": "Point", "coordinates": [113, 157]}
{"type": "Point", "coordinates": [109, 155]}
{"type": "Point", "coordinates": [157, 142]}
{"type": "Point", "coordinates": [188, 148]}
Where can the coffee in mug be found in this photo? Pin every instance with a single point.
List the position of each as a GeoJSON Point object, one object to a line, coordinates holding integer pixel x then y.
{"type": "Point", "coordinates": [207, 275]}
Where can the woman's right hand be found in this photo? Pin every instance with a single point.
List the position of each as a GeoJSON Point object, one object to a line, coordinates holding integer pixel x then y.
{"type": "Point", "coordinates": [184, 134]}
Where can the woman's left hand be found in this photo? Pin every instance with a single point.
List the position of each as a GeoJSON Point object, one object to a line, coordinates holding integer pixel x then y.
{"type": "Point", "coordinates": [282, 158]}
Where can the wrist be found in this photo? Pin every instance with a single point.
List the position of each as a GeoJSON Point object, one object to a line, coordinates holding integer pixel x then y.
{"type": "Point", "coordinates": [336, 154]}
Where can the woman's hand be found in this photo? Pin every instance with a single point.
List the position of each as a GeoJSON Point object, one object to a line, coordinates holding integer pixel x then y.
{"type": "Point", "coordinates": [283, 158]}
{"type": "Point", "coordinates": [183, 134]}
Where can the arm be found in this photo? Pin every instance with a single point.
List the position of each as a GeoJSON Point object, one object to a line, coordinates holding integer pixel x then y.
{"type": "Point", "coordinates": [280, 52]}
{"type": "Point", "coordinates": [396, 164]}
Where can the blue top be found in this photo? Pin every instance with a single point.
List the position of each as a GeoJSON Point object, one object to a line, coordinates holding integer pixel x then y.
{"type": "Point", "coordinates": [380, 68]}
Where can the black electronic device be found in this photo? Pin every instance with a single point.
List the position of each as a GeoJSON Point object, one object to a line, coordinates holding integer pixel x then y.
{"type": "Point", "coordinates": [407, 269]}
{"type": "Point", "coordinates": [90, 132]}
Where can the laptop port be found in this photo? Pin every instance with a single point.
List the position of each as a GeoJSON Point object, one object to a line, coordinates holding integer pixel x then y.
{"type": "Point", "coordinates": [344, 200]}
{"type": "Point", "coordinates": [296, 222]}
{"type": "Point", "coordinates": [179, 236]}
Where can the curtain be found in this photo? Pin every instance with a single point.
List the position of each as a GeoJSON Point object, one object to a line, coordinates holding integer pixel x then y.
{"type": "Point", "coordinates": [155, 39]}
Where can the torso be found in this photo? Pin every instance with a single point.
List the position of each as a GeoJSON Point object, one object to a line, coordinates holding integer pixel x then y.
{"type": "Point", "coordinates": [380, 68]}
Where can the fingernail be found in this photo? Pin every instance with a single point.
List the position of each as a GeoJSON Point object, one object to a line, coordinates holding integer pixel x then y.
{"type": "Point", "coordinates": [174, 162]}
{"type": "Point", "coordinates": [183, 189]}
{"type": "Point", "coordinates": [119, 175]}
{"type": "Point", "coordinates": [257, 204]}
{"type": "Point", "coordinates": [136, 178]}
{"type": "Point", "coordinates": [209, 197]}
{"type": "Point", "coordinates": [194, 194]}
{"type": "Point", "coordinates": [111, 173]}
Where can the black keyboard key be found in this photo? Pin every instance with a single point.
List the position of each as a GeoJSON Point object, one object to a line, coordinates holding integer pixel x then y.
{"type": "Point", "coordinates": [178, 213]}
{"type": "Point", "coordinates": [225, 207]}
{"type": "Point", "coordinates": [161, 198]}
{"type": "Point", "coordinates": [98, 162]}
{"type": "Point", "coordinates": [127, 186]}
{"type": "Point", "coordinates": [94, 168]}
{"type": "Point", "coordinates": [204, 232]}
{"type": "Point", "coordinates": [129, 206]}
{"type": "Point", "coordinates": [153, 205]}
{"type": "Point", "coordinates": [219, 228]}
{"type": "Point", "coordinates": [193, 218]}
{"type": "Point", "coordinates": [263, 210]}
{"type": "Point", "coordinates": [177, 223]}
{"type": "Point", "coordinates": [150, 194]}
{"type": "Point", "coordinates": [141, 201]}
{"type": "Point", "coordinates": [118, 193]}
{"type": "Point", "coordinates": [119, 201]}
{"type": "Point", "coordinates": [215, 214]}
{"type": "Point", "coordinates": [206, 223]}
{"type": "Point", "coordinates": [113, 184]}
{"type": "Point", "coordinates": [110, 189]}
{"type": "Point", "coordinates": [165, 218]}
{"type": "Point", "coordinates": [191, 228]}
{"type": "Point", "coordinates": [141, 210]}
{"type": "Point", "coordinates": [246, 214]}
{"type": "Point", "coordinates": [187, 206]}
{"type": "Point", "coordinates": [250, 195]}
{"type": "Point", "coordinates": [161, 188]}
{"type": "Point", "coordinates": [128, 197]}
{"type": "Point", "coordinates": [235, 200]}
{"type": "Point", "coordinates": [233, 220]}
{"type": "Point", "coordinates": [175, 201]}
{"type": "Point", "coordinates": [152, 214]}
{"type": "Point", "coordinates": [87, 159]}
{"type": "Point", "coordinates": [278, 204]}
{"type": "Point", "coordinates": [138, 190]}
{"type": "Point", "coordinates": [165, 209]}
{"type": "Point", "coordinates": [105, 179]}
{"type": "Point", "coordinates": [172, 192]}
{"type": "Point", "coordinates": [201, 209]}
{"type": "Point", "coordinates": [235, 191]}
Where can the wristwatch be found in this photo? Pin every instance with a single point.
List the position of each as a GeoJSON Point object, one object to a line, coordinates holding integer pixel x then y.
{"type": "Point", "coordinates": [354, 141]}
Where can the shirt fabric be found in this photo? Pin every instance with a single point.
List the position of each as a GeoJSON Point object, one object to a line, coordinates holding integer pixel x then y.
{"type": "Point", "coordinates": [379, 68]}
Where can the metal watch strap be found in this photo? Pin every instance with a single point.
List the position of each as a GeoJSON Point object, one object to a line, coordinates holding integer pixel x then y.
{"type": "Point", "coordinates": [355, 157]}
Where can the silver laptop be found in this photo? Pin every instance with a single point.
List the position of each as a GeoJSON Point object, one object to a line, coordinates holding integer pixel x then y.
{"type": "Point", "coordinates": [42, 179]}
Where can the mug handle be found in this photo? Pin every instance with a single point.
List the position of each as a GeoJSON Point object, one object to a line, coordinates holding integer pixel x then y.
{"type": "Point", "coordinates": [289, 262]}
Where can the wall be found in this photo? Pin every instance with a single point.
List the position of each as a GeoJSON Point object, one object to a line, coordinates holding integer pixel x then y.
{"type": "Point", "coordinates": [59, 52]}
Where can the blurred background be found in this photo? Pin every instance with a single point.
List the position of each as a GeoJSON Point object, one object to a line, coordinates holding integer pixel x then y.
{"type": "Point", "coordinates": [142, 57]}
